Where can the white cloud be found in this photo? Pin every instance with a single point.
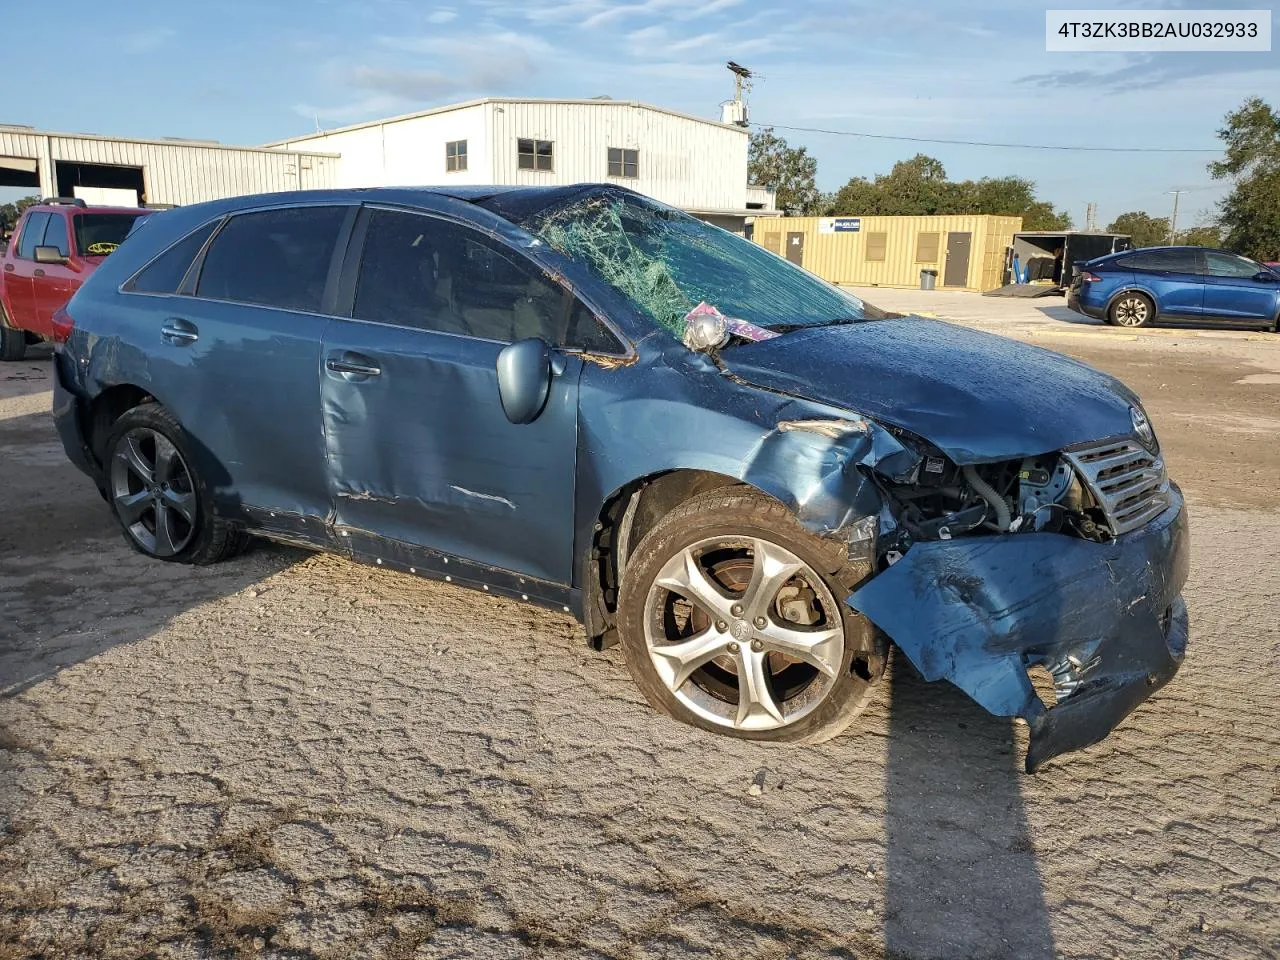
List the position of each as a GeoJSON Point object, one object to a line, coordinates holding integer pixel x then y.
{"type": "Point", "coordinates": [442, 16]}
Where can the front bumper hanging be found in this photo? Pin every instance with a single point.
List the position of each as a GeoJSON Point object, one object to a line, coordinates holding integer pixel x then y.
{"type": "Point", "coordinates": [1106, 619]}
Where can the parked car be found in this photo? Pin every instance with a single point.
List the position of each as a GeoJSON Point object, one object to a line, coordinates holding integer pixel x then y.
{"type": "Point", "coordinates": [579, 397]}
{"type": "Point", "coordinates": [56, 245]}
{"type": "Point", "coordinates": [1139, 288]}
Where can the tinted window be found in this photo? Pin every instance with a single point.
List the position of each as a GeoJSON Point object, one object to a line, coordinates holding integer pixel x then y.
{"type": "Point", "coordinates": [1226, 265]}
{"type": "Point", "coordinates": [164, 274]}
{"type": "Point", "coordinates": [32, 235]}
{"type": "Point", "coordinates": [55, 235]}
{"type": "Point", "coordinates": [422, 272]}
{"type": "Point", "coordinates": [1161, 261]}
{"type": "Point", "coordinates": [98, 234]}
{"type": "Point", "coordinates": [277, 258]}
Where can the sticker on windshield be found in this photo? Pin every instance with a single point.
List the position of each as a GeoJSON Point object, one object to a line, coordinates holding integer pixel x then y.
{"type": "Point", "coordinates": [101, 248]}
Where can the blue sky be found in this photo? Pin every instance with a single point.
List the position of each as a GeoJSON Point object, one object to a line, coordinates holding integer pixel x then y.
{"type": "Point", "coordinates": [250, 71]}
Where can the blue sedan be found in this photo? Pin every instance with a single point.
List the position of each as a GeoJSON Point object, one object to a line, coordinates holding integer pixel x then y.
{"type": "Point", "coordinates": [1139, 288]}
{"type": "Point", "coordinates": [578, 397]}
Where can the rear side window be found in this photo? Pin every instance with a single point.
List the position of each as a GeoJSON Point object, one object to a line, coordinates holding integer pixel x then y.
{"type": "Point", "coordinates": [164, 274]}
{"type": "Point", "coordinates": [32, 235]}
{"type": "Point", "coordinates": [55, 235]}
{"type": "Point", "coordinates": [1161, 261]}
{"type": "Point", "coordinates": [276, 258]}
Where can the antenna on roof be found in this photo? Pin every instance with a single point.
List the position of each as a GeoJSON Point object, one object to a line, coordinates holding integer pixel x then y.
{"type": "Point", "coordinates": [735, 111]}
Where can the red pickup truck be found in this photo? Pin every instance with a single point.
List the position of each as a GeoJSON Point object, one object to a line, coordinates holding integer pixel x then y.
{"type": "Point", "coordinates": [58, 243]}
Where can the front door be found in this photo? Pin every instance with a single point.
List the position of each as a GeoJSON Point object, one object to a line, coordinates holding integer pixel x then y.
{"type": "Point", "coordinates": [52, 284]}
{"type": "Point", "coordinates": [1232, 292]}
{"type": "Point", "coordinates": [20, 302]}
{"type": "Point", "coordinates": [795, 248]}
{"type": "Point", "coordinates": [420, 451]}
{"type": "Point", "coordinates": [957, 269]}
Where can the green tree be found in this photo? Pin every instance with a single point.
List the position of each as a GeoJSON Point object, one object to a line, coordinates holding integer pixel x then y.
{"type": "Point", "coordinates": [1143, 229]}
{"type": "Point", "coordinates": [10, 212]}
{"type": "Point", "coordinates": [786, 170]}
{"type": "Point", "coordinates": [1250, 214]}
{"type": "Point", "coordinates": [1206, 235]}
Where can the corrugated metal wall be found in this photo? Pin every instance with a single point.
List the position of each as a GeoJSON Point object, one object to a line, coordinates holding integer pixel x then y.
{"type": "Point", "coordinates": [179, 173]}
{"type": "Point", "coordinates": [842, 257]}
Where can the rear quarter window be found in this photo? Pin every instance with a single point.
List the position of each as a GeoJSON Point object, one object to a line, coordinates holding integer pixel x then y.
{"type": "Point", "coordinates": [165, 273]}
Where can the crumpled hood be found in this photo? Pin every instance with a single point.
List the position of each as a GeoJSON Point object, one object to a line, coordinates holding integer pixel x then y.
{"type": "Point", "coordinates": [976, 396]}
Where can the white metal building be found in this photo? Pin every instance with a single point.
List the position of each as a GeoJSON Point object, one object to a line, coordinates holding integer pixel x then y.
{"type": "Point", "coordinates": [695, 164]}
{"type": "Point", "coordinates": [120, 170]}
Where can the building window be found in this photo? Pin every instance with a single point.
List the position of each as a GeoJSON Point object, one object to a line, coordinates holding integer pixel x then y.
{"type": "Point", "coordinates": [534, 154]}
{"type": "Point", "coordinates": [927, 247]}
{"type": "Point", "coordinates": [624, 163]}
{"type": "Point", "coordinates": [455, 156]}
{"type": "Point", "coordinates": [876, 244]}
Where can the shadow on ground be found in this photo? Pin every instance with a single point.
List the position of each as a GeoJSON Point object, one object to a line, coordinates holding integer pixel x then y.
{"type": "Point", "coordinates": [961, 871]}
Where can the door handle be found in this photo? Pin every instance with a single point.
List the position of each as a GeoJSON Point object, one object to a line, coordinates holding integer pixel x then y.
{"type": "Point", "coordinates": [179, 332]}
{"type": "Point", "coordinates": [353, 364]}
{"type": "Point", "coordinates": [37, 272]}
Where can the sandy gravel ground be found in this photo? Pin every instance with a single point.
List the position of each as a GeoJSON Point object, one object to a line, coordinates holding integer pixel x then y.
{"type": "Point", "coordinates": [293, 756]}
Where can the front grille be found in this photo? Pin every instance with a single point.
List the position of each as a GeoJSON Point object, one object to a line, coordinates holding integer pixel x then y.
{"type": "Point", "coordinates": [1128, 481]}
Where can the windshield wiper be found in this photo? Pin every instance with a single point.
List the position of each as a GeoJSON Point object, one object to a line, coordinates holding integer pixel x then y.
{"type": "Point", "coordinates": [837, 322]}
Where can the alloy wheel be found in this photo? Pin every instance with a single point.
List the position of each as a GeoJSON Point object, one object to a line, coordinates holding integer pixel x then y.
{"type": "Point", "coordinates": [744, 633]}
{"type": "Point", "coordinates": [1131, 312]}
{"type": "Point", "coordinates": [152, 491]}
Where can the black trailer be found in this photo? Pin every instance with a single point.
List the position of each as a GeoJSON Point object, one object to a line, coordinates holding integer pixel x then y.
{"type": "Point", "coordinates": [1045, 260]}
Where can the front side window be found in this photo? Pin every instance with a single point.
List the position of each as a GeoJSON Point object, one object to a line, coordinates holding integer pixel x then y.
{"type": "Point", "coordinates": [1226, 265]}
{"type": "Point", "coordinates": [98, 234]}
{"type": "Point", "coordinates": [32, 235]}
{"type": "Point", "coordinates": [535, 154]}
{"type": "Point", "coordinates": [55, 235]}
{"type": "Point", "coordinates": [667, 262]}
{"type": "Point", "coordinates": [624, 163]}
{"type": "Point", "coordinates": [455, 156]}
{"type": "Point", "coordinates": [165, 273]}
{"type": "Point", "coordinates": [419, 271]}
{"type": "Point", "coordinates": [275, 258]}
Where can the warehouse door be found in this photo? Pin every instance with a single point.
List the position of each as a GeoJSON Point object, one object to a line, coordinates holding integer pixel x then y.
{"type": "Point", "coordinates": [795, 248]}
{"type": "Point", "coordinates": [957, 272]}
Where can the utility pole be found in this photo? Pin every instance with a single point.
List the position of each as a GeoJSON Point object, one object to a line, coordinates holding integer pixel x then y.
{"type": "Point", "coordinates": [1173, 220]}
{"type": "Point", "coordinates": [1091, 218]}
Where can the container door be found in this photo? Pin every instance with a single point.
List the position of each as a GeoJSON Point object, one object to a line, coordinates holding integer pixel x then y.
{"type": "Point", "coordinates": [957, 272]}
{"type": "Point", "coordinates": [795, 248]}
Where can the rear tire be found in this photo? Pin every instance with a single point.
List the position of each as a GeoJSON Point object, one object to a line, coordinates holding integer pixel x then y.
{"type": "Point", "coordinates": [1132, 309]}
{"type": "Point", "coordinates": [165, 510]}
{"type": "Point", "coordinates": [774, 620]}
{"type": "Point", "coordinates": [13, 343]}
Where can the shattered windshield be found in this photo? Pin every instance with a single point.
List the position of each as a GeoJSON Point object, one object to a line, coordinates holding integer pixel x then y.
{"type": "Point", "coordinates": [669, 264]}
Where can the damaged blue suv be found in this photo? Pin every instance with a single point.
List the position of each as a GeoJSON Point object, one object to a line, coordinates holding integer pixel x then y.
{"type": "Point", "coordinates": [578, 397]}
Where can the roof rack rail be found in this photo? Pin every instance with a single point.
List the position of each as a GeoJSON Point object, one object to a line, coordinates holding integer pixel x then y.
{"type": "Point", "coordinates": [64, 202]}
{"type": "Point", "coordinates": [158, 206]}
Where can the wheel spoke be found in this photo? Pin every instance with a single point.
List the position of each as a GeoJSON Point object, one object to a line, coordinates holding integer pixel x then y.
{"type": "Point", "coordinates": [183, 503]}
{"type": "Point", "coordinates": [677, 661]}
{"type": "Point", "coordinates": [757, 709]}
{"type": "Point", "coordinates": [166, 540]}
{"type": "Point", "coordinates": [132, 506]}
{"type": "Point", "coordinates": [684, 575]}
{"type": "Point", "coordinates": [771, 569]}
{"type": "Point", "coordinates": [821, 649]}
{"type": "Point", "coordinates": [133, 457]}
{"type": "Point", "coordinates": [167, 458]}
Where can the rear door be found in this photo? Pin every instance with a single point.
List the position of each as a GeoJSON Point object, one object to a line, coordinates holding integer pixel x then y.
{"type": "Point", "coordinates": [420, 451]}
{"type": "Point", "coordinates": [239, 360]}
{"type": "Point", "coordinates": [20, 301]}
{"type": "Point", "coordinates": [1173, 276]}
{"type": "Point", "coordinates": [52, 284]}
{"type": "Point", "coordinates": [1232, 293]}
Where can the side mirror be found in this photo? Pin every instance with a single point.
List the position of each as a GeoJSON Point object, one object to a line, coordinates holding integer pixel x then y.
{"type": "Point", "coordinates": [49, 255]}
{"type": "Point", "coordinates": [1265, 276]}
{"type": "Point", "coordinates": [525, 369]}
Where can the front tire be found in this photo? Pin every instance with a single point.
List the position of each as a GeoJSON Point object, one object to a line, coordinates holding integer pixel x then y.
{"type": "Point", "coordinates": [732, 619]}
{"type": "Point", "coordinates": [1132, 309]}
{"type": "Point", "coordinates": [163, 507]}
{"type": "Point", "coordinates": [13, 343]}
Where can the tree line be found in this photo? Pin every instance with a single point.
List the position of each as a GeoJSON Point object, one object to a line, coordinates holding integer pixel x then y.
{"type": "Point", "coordinates": [1247, 220]}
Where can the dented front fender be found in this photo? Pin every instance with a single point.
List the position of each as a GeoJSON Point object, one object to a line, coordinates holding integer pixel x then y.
{"type": "Point", "coordinates": [1105, 618]}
